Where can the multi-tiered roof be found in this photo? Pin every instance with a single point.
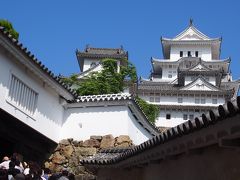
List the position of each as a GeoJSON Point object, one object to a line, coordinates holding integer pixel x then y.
{"type": "Point", "coordinates": [198, 68]}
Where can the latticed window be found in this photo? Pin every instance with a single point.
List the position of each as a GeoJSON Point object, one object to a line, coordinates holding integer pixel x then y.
{"type": "Point", "coordinates": [214, 101]}
{"type": "Point", "coordinates": [157, 99]}
{"type": "Point", "coordinates": [180, 99]}
{"type": "Point", "coordinates": [191, 116]}
{"type": "Point", "coordinates": [185, 116]}
{"type": "Point", "coordinates": [197, 101]}
{"type": "Point", "coordinates": [22, 95]}
{"type": "Point", "coordinates": [151, 99]}
{"type": "Point", "coordinates": [203, 101]}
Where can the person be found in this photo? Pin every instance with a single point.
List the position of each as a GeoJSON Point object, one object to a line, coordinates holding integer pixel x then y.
{"type": "Point", "coordinates": [27, 168]}
{"type": "Point", "coordinates": [64, 175]}
{"type": "Point", "coordinates": [35, 172]}
{"type": "Point", "coordinates": [5, 163]}
{"type": "Point", "coordinates": [18, 166]}
{"type": "Point", "coordinates": [19, 176]}
{"type": "Point", "coordinates": [3, 174]}
{"type": "Point", "coordinates": [46, 173]}
{"type": "Point", "coordinates": [12, 171]}
{"type": "Point", "coordinates": [71, 176]}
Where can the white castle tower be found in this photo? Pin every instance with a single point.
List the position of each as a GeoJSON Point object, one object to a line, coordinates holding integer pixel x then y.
{"type": "Point", "coordinates": [190, 80]}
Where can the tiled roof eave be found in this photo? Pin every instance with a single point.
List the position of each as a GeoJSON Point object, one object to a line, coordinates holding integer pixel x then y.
{"type": "Point", "coordinates": [103, 97]}
{"type": "Point", "coordinates": [171, 41]}
{"type": "Point", "coordinates": [190, 72]}
{"type": "Point", "coordinates": [177, 91]}
{"type": "Point", "coordinates": [86, 55]}
{"type": "Point", "coordinates": [155, 60]}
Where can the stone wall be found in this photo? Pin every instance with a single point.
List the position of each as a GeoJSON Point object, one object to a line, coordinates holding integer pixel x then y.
{"type": "Point", "coordinates": [69, 152]}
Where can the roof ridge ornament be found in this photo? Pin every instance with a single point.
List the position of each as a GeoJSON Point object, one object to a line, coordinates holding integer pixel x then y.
{"type": "Point", "coordinates": [190, 22]}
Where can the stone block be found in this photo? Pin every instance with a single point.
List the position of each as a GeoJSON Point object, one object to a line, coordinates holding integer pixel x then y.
{"type": "Point", "coordinates": [67, 151]}
{"type": "Point", "coordinates": [85, 151]}
{"type": "Point", "coordinates": [91, 143]}
{"type": "Point", "coordinates": [99, 138]}
{"type": "Point", "coordinates": [58, 158]}
{"type": "Point", "coordinates": [74, 161]}
{"type": "Point", "coordinates": [64, 142]}
{"type": "Point", "coordinates": [123, 139]}
{"type": "Point", "coordinates": [123, 145]}
{"type": "Point", "coordinates": [107, 142]}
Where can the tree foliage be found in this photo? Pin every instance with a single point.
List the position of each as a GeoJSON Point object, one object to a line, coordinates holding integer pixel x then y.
{"type": "Point", "coordinates": [107, 81]}
{"type": "Point", "coordinates": [150, 110]}
{"type": "Point", "coordinates": [9, 28]}
{"type": "Point", "coordinates": [70, 81]}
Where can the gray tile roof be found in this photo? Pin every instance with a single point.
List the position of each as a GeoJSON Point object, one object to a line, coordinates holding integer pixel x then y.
{"type": "Point", "coordinates": [91, 52]}
{"type": "Point", "coordinates": [105, 155]}
{"type": "Point", "coordinates": [153, 86]}
{"type": "Point", "coordinates": [103, 97]}
{"type": "Point", "coordinates": [210, 119]}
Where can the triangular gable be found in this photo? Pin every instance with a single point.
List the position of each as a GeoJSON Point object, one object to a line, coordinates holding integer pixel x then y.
{"type": "Point", "coordinates": [200, 85]}
{"type": "Point", "coordinates": [199, 67]}
{"type": "Point", "coordinates": [191, 33]}
{"type": "Point", "coordinates": [96, 68]}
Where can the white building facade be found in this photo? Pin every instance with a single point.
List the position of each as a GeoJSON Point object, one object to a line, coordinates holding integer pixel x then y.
{"type": "Point", "coordinates": [32, 97]}
{"type": "Point", "coordinates": [190, 80]}
{"type": "Point", "coordinates": [89, 60]}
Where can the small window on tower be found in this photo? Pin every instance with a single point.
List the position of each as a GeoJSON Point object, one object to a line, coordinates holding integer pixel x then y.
{"type": "Point", "coordinates": [181, 53]}
{"type": "Point", "coordinates": [197, 101]}
{"type": "Point", "coordinates": [157, 99]}
{"type": "Point", "coordinates": [189, 54]}
{"type": "Point", "coordinates": [180, 100]}
{"type": "Point", "coordinates": [168, 116]}
{"type": "Point", "coordinates": [214, 101]}
{"type": "Point", "coordinates": [196, 53]}
{"type": "Point", "coordinates": [185, 116]}
{"type": "Point", "coordinates": [191, 116]}
{"type": "Point", "coordinates": [203, 101]}
{"type": "Point", "coordinates": [151, 99]}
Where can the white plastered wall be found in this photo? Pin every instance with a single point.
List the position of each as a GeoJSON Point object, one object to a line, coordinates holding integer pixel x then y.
{"type": "Point", "coordinates": [43, 119]}
{"type": "Point", "coordinates": [204, 51]}
{"type": "Point", "coordinates": [81, 123]}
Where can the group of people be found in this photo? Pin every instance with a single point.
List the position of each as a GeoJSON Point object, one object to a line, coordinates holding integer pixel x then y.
{"type": "Point", "coordinates": [13, 169]}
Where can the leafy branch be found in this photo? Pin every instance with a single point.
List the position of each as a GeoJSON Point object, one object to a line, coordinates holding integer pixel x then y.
{"type": "Point", "coordinates": [150, 110]}
{"type": "Point", "coordinates": [9, 28]}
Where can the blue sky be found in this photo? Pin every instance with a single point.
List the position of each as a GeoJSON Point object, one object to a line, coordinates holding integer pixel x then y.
{"type": "Point", "coordinates": [53, 30]}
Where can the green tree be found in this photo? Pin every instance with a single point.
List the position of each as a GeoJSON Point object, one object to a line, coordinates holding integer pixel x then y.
{"type": "Point", "coordinates": [70, 81]}
{"type": "Point", "coordinates": [108, 81]}
{"type": "Point", "coordinates": [150, 110]}
{"type": "Point", "coordinates": [9, 28]}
